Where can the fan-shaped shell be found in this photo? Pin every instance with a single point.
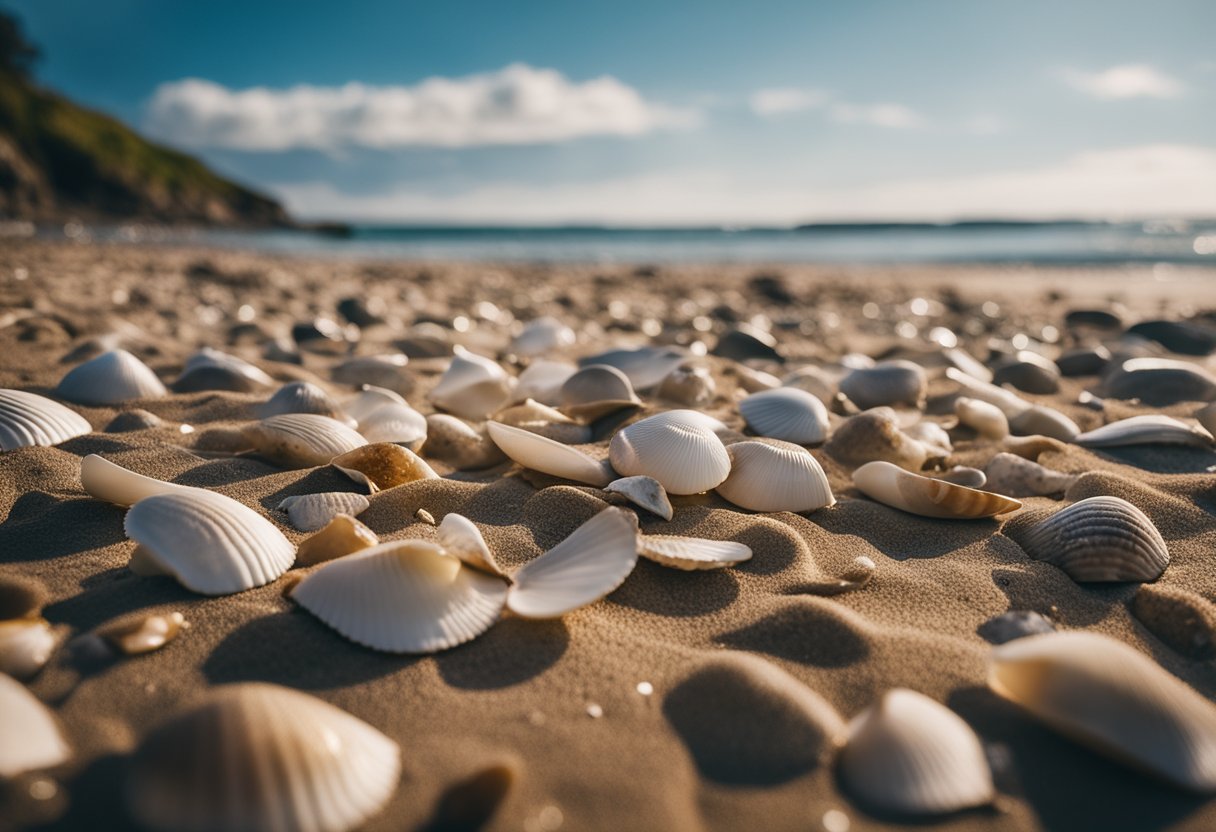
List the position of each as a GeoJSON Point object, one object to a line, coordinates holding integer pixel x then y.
{"type": "Point", "coordinates": [398, 423]}
{"type": "Point", "coordinates": [27, 419]}
{"type": "Point", "coordinates": [597, 390]}
{"type": "Point", "coordinates": [473, 386]}
{"type": "Point", "coordinates": [775, 476]}
{"type": "Point", "coordinates": [383, 465]}
{"type": "Point", "coordinates": [404, 596]}
{"type": "Point", "coordinates": [262, 757]}
{"type": "Point", "coordinates": [1152, 429]}
{"type": "Point", "coordinates": [541, 335]}
{"type": "Point", "coordinates": [540, 454]}
{"type": "Point", "coordinates": [31, 738]}
{"type": "Point", "coordinates": [112, 483]}
{"type": "Point", "coordinates": [875, 435]}
{"type": "Point", "coordinates": [302, 440]}
{"type": "Point", "coordinates": [891, 485]}
{"type": "Point", "coordinates": [674, 448]}
{"type": "Point", "coordinates": [309, 512]}
{"type": "Point", "coordinates": [26, 644]}
{"type": "Point", "coordinates": [111, 378]}
{"type": "Point", "coordinates": [886, 383]}
{"type": "Point", "coordinates": [645, 492]}
{"type": "Point", "coordinates": [300, 397]}
{"type": "Point", "coordinates": [461, 539]}
{"type": "Point", "coordinates": [786, 413]}
{"type": "Point", "coordinates": [593, 561]}
{"type": "Point", "coordinates": [210, 369]}
{"type": "Point", "coordinates": [341, 536]}
{"type": "Point", "coordinates": [460, 444]}
{"type": "Point", "coordinates": [692, 553]}
{"type": "Point", "coordinates": [984, 418]}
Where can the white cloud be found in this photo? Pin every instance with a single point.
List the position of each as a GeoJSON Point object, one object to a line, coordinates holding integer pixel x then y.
{"type": "Point", "coordinates": [782, 100]}
{"type": "Point", "coordinates": [894, 116]}
{"type": "Point", "coordinates": [1125, 81]}
{"type": "Point", "coordinates": [518, 104]}
{"type": "Point", "coordinates": [779, 101]}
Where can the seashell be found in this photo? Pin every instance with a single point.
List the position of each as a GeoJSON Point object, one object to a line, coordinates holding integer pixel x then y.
{"type": "Point", "coordinates": [964, 476]}
{"type": "Point", "coordinates": [891, 485]}
{"type": "Point", "coordinates": [747, 342]}
{"type": "Point", "coordinates": [341, 536]}
{"type": "Point", "coordinates": [814, 381]}
{"type": "Point", "coordinates": [396, 423]}
{"type": "Point", "coordinates": [113, 377]}
{"type": "Point", "coordinates": [426, 340]}
{"type": "Point", "coordinates": [1089, 400]}
{"type": "Point", "coordinates": [1183, 337]}
{"type": "Point", "coordinates": [1083, 361]}
{"type": "Point", "coordinates": [460, 444]}
{"type": "Point", "coordinates": [103, 480]}
{"type": "Point", "coordinates": [300, 397]}
{"type": "Point", "coordinates": [210, 369]}
{"type": "Point", "coordinates": [646, 492]}
{"type": "Point", "coordinates": [875, 435]}
{"type": "Point", "coordinates": [425, 516]}
{"type": "Point", "coordinates": [786, 413]}
{"type": "Point", "coordinates": [597, 390]}
{"type": "Point", "coordinates": [771, 475]}
{"type": "Point", "coordinates": [1039, 420]}
{"type": "Point", "coordinates": [692, 553]}
{"type": "Point", "coordinates": [1032, 447]}
{"type": "Point", "coordinates": [28, 420]}
{"type": "Point", "coordinates": [1015, 476]}
{"type": "Point", "coordinates": [404, 596]}
{"type": "Point", "coordinates": [545, 421]}
{"type": "Point", "coordinates": [261, 757]}
{"type": "Point", "coordinates": [674, 448]}
{"type": "Point", "coordinates": [210, 543]}
{"type": "Point", "coordinates": [1015, 624]}
{"type": "Point", "coordinates": [910, 755]}
{"type": "Point", "coordinates": [645, 366]}
{"type": "Point", "coordinates": [132, 420]}
{"type": "Point", "coordinates": [886, 383]}
{"type": "Point", "coordinates": [385, 371]}
{"type": "Point", "coordinates": [859, 574]}
{"type": "Point", "coordinates": [1152, 429]}
{"type": "Point", "coordinates": [1098, 539]}
{"type": "Point", "coordinates": [21, 597]}
{"type": "Point", "coordinates": [26, 644]}
{"type": "Point", "coordinates": [301, 440]}
{"type": "Point", "coordinates": [31, 738]}
{"type": "Point", "coordinates": [461, 539]}
{"type": "Point", "coordinates": [688, 385]}
{"type": "Point", "coordinates": [540, 454]}
{"type": "Point", "coordinates": [369, 400]}
{"type": "Point", "coordinates": [1159, 382]}
{"type": "Point", "coordinates": [1205, 415]}
{"type": "Point", "coordinates": [933, 436]}
{"type": "Point", "coordinates": [592, 562]}
{"type": "Point", "coordinates": [473, 387]}
{"type": "Point", "coordinates": [983, 417]}
{"type": "Point", "coordinates": [755, 381]}
{"type": "Point", "coordinates": [134, 635]}
{"type": "Point", "coordinates": [383, 465]}
{"type": "Point", "coordinates": [1114, 699]}
{"type": "Point", "coordinates": [309, 512]}
{"type": "Point", "coordinates": [542, 381]}
{"type": "Point", "coordinates": [1009, 403]}
{"type": "Point", "coordinates": [1029, 372]}
{"type": "Point", "coordinates": [965, 363]}
{"type": "Point", "coordinates": [540, 336]}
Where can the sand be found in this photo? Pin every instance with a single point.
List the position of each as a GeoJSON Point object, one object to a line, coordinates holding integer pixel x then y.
{"type": "Point", "coordinates": [523, 695]}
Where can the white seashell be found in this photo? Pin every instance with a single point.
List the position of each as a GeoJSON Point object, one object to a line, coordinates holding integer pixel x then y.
{"type": "Point", "coordinates": [786, 413]}
{"type": "Point", "coordinates": [540, 336]}
{"type": "Point", "coordinates": [385, 371]}
{"type": "Point", "coordinates": [886, 383]}
{"type": "Point", "coordinates": [933, 436]}
{"type": "Point", "coordinates": [1114, 699]}
{"type": "Point", "coordinates": [1015, 476]}
{"type": "Point", "coordinates": [860, 572]}
{"type": "Point", "coordinates": [876, 435]}
{"type": "Point", "coordinates": [1039, 420]}
{"type": "Point", "coordinates": [645, 366]}
{"type": "Point", "coordinates": [688, 385]}
{"type": "Point", "coordinates": [596, 391]}
{"type": "Point", "coordinates": [404, 596]}
{"type": "Point", "coordinates": [755, 381]}
{"type": "Point", "coordinates": [542, 381]}
{"type": "Point", "coordinates": [210, 369]}
{"type": "Point", "coordinates": [28, 420]}
{"type": "Point", "coordinates": [299, 397]}
{"type": "Point", "coordinates": [1009, 403]}
{"type": "Point", "coordinates": [547, 421]}
{"type": "Point", "coordinates": [301, 440]}
{"type": "Point", "coordinates": [113, 377]}
{"type": "Point", "coordinates": [540, 454]}
{"type": "Point", "coordinates": [26, 644]}
{"type": "Point", "coordinates": [593, 561]}
{"type": "Point", "coordinates": [210, 543]}
{"type": "Point", "coordinates": [309, 512]}
{"type": "Point", "coordinates": [383, 465]}
{"type": "Point", "coordinates": [983, 417]}
{"type": "Point", "coordinates": [692, 553]}
{"type": "Point", "coordinates": [910, 755]}
{"type": "Point", "coordinates": [674, 448]}
{"type": "Point", "coordinates": [1144, 430]}
{"type": "Point", "coordinates": [891, 485]}
{"type": "Point", "coordinates": [31, 738]}
{"type": "Point", "coordinates": [964, 362]}
{"type": "Point", "coordinates": [772, 475]}
{"type": "Point", "coordinates": [103, 480]}
{"type": "Point", "coordinates": [370, 399]}
{"type": "Point", "coordinates": [473, 386]}
{"type": "Point", "coordinates": [341, 536]}
{"type": "Point", "coordinates": [262, 757]}
{"type": "Point", "coordinates": [461, 539]}
{"type": "Point", "coordinates": [460, 444]}
{"type": "Point", "coordinates": [397, 423]}
{"type": "Point", "coordinates": [645, 492]}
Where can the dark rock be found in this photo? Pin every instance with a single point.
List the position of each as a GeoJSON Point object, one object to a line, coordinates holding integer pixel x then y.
{"type": "Point", "coordinates": [1015, 624]}
{"type": "Point", "coordinates": [771, 286]}
{"type": "Point", "coordinates": [1092, 319]}
{"type": "Point", "coordinates": [1182, 337]}
{"type": "Point", "coordinates": [363, 312]}
{"type": "Point", "coordinates": [746, 342]}
{"type": "Point", "coordinates": [1162, 385]}
{"type": "Point", "coordinates": [1038, 375]}
{"type": "Point", "coordinates": [323, 335]}
{"type": "Point", "coordinates": [1086, 361]}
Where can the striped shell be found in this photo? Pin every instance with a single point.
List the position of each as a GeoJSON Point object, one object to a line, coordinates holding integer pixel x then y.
{"type": "Point", "coordinates": [786, 413]}
{"type": "Point", "coordinates": [103, 480]}
{"type": "Point", "coordinates": [113, 377]}
{"type": "Point", "coordinates": [1099, 539]}
{"type": "Point", "coordinates": [31, 737]}
{"type": "Point", "coordinates": [534, 451]}
{"type": "Point", "coordinates": [302, 440]}
{"type": "Point", "coordinates": [473, 386]}
{"type": "Point", "coordinates": [692, 553]}
{"type": "Point", "coordinates": [891, 485]}
{"type": "Point", "coordinates": [309, 512]}
{"type": "Point", "coordinates": [300, 397]}
{"type": "Point", "coordinates": [775, 476]}
{"type": "Point", "coordinates": [27, 420]}
{"type": "Point", "coordinates": [674, 448]}
{"type": "Point", "coordinates": [1145, 430]}
{"type": "Point", "coordinates": [461, 539]}
{"type": "Point", "coordinates": [644, 492]}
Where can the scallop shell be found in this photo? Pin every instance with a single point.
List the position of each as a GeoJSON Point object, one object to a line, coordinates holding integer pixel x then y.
{"type": "Point", "coordinates": [134, 635]}
{"type": "Point", "coordinates": [786, 413]}
{"type": "Point", "coordinates": [772, 475]}
{"type": "Point", "coordinates": [910, 755]}
{"type": "Point", "coordinates": [370, 399]}
{"type": "Point", "coordinates": [546, 421]}
{"type": "Point", "coordinates": [596, 391]}
{"type": "Point", "coordinates": [540, 336]}
{"type": "Point", "coordinates": [875, 435]}
{"type": "Point", "coordinates": [983, 417]}
{"type": "Point", "coordinates": [262, 757]}
{"type": "Point", "coordinates": [1098, 539]}
{"type": "Point", "coordinates": [674, 448]}
{"type": "Point", "coordinates": [383, 465]}
{"type": "Point", "coordinates": [1039, 420]}
{"type": "Point", "coordinates": [542, 381]}
{"type": "Point", "coordinates": [593, 561]}
{"type": "Point", "coordinates": [386, 371]}
{"type": "Point", "coordinates": [300, 397]}
{"type": "Point", "coordinates": [341, 536]}
{"type": "Point", "coordinates": [27, 420]}
{"type": "Point", "coordinates": [688, 385]}
{"type": "Point", "coordinates": [397, 423]}
{"type": "Point", "coordinates": [540, 454]}
{"type": "Point", "coordinates": [404, 596]}
{"type": "Point", "coordinates": [473, 386]}
{"type": "Point", "coordinates": [309, 512]}
{"type": "Point", "coordinates": [1009, 403]}
{"type": "Point", "coordinates": [26, 644]}
{"type": "Point", "coordinates": [461, 539]}
{"type": "Point", "coordinates": [31, 738]}
{"type": "Point", "coordinates": [460, 444]}
{"type": "Point", "coordinates": [112, 483]}
{"type": "Point", "coordinates": [1144, 430]}
{"type": "Point", "coordinates": [302, 440]}
{"type": "Point", "coordinates": [113, 377]}
{"type": "Point", "coordinates": [886, 383]}
{"type": "Point", "coordinates": [210, 369]}
{"type": "Point", "coordinates": [212, 544]}
{"type": "Point", "coordinates": [891, 485]}
{"type": "Point", "coordinates": [645, 492]}
{"type": "Point", "coordinates": [692, 553]}
{"type": "Point", "coordinates": [1114, 699]}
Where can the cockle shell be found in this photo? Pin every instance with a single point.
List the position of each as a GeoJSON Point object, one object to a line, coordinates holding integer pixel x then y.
{"type": "Point", "coordinates": [27, 419]}
{"type": "Point", "coordinates": [459, 444]}
{"type": "Point", "coordinates": [210, 369]}
{"type": "Point", "coordinates": [1015, 476]}
{"type": "Point", "coordinates": [113, 377]}
{"type": "Point", "coordinates": [341, 536]}
{"type": "Point", "coordinates": [300, 397]}
{"type": "Point", "coordinates": [875, 435]}
{"type": "Point", "coordinates": [891, 485]}
{"type": "Point", "coordinates": [786, 413]}
{"type": "Point", "coordinates": [383, 465]}
{"type": "Point", "coordinates": [692, 553]}
{"type": "Point", "coordinates": [910, 755]}
{"type": "Point", "coordinates": [646, 492]}
{"type": "Point", "coordinates": [596, 391]}
{"type": "Point", "coordinates": [886, 383]}
{"type": "Point", "coordinates": [983, 417]}
{"type": "Point", "coordinates": [112, 483]}
{"type": "Point", "coordinates": [134, 635]}
{"type": "Point", "coordinates": [1098, 539]}
{"type": "Point", "coordinates": [398, 423]}
{"type": "Point", "coordinates": [301, 440]}
{"type": "Point", "coordinates": [1152, 429]}
{"type": "Point", "coordinates": [309, 512]}
{"type": "Point", "coordinates": [547, 421]}
{"type": "Point", "coordinates": [541, 335]}
{"type": "Point", "coordinates": [1039, 420]}
{"type": "Point", "coordinates": [31, 738]}
{"type": "Point", "coordinates": [542, 380]}
{"type": "Point", "coordinates": [593, 561]}
{"type": "Point", "coordinates": [262, 757]}
{"type": "Point", "coordinates": [770, 475]}
{"type": "Point", "coordinates": [403, 596]}
{"type": "Point", "coordinates": [386, 371]}
{"type": "Point", "coordinates": [461, 539]}
{"type": "Point", "coordinates": [1114, 699]}
{"type": "Point", "coordinates": [674, 448]}
{"type": "Point", "coordinates": [689, 385]}
{"type": "Point", "coordinates": [473, 386]}
{"type": "Point", "coordinates": [540, 454]}
{"type": "Point", "coordinates": [26, 644]}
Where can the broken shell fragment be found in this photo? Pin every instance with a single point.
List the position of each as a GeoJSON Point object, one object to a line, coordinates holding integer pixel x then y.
{"type": "Point", "coordinates": [137, 634]}
{"type": "Point", "coordinates": [343, 535]}
{"type": "Point", "coordinates": [645, 492]}
{"type": "Point", "coordinates": [461, 539]}
{"type": "Point", "coordinates": [769, 475]}
{"type": "Point", "coordinates": [31, 737]}
{"type": "Point", "coordinates": [692, 553]}
{"type": "Point", "coordinates": [1145, 430]}
{"type": "Point", "coordinates": [1015, 476]}
{"type": "Point", "coordinates": [309, 512]}
{"type": "Point", "coordinates": [383, 465]}
{"type": "Point", "coordinates": [788, 414]}
{"type": "Point", "coordinates": [103, 480]}
{"type": "Point", "coordinates": [302, 440]}
{"type": "Point", "coordinates": [675, 448]}
{"type": "Point", "coordinates": [538, 453]}
{"type": "Point", "coordinates": [28, 420]}
{"type": "Point", "coordinates": [113, 377]}
{"type": "Point", "coordinates": [891, 485]}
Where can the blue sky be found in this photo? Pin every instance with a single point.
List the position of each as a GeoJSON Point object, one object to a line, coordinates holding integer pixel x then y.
{"type": "Point", "coordinates": [668, 113]}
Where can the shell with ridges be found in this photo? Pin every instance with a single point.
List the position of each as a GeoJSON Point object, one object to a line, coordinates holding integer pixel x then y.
{"type": "Point", "coordinates": [891, 485]}
{"type": "Point", "coordinates": [674, 448]}
{"type": "Point", "coordinates": [309, 512]}
{"type": "Point", "coordinates": [788, 414]}
{"type": "Point", "coordinates": [103, 480]}
{"type": "Point", "coordinates": [111, 378]}
{"type": "Point", "coordinates": [473, 386]}
{"type": "Point", "coordinates": [31, 738]}
{"type": "Point", "coordinates": [534, 451]}
{"type": "Point", "coordinates": [646, 492]}
{"type": "Point", "coordinates": [341, 536]}
{"type": "Point", "coordinates": [302, 440]}
{"type": "Point", "coordinates": [770, 475]}
{"type": "Point", "coordinates": [692, 553]}
{"type": "Point", "coordinates": [1152, 429]}
{"type": "Point", "coordinates": [27, 420]}
{"type": "Point", "coordinates": [461, 539]}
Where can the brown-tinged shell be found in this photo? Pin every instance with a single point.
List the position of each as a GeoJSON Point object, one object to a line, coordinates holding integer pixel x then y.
{"type": "Point", "coordinates": [383, 465]}
{"type": "Point", "coordinates": [341, 536]}
{"type": "Point", "coordinates": [928, 497]}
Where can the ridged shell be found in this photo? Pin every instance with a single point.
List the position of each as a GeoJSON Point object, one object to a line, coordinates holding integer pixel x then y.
{"type": "Point", "coordinates": [596, 391]}
{"type": "Point", "coordinates": [886, 383]}
{"type": "Point", "coordinates": [540, 454]}
{"type": "Point", "coordinates": [1038, 420]}
{"type": "Point", "coordinates": [543, 380]}
{"type": "Point", "coordinates": [593, 561]}
{"type": "Point", "coordinates": [1009, 403]}
{"type": "Point", "coordinates": [27, 420]}
{"type": "Point", "coordinates": [309, 512]}
{"type": "Point", "coordinates": [1098, 539]}
{"type": "Point", "coordinates": [212, 544]}
{"type": "Point", "coordinates": [300, 397]}
{"type": "Point", "coordinates": [302, 440]}
{"type": "Point", "coordinates": [875, 435]}
{"type": "Point", "coordinates": [31, 738]}
{"type": "Point", "coordinates": [1114, 699]}
{"type": "Point", "coordinates": [210, 369]}
{"type": "Point", "coordinates": [459, 444]}
{"type": "Point", "coordinates": [788, 414]}
{"type": "Point", "coordinates": [891, 485]}
{"type": "Point", "coordinates": [910, 755]}
{"type": "Point", "coordinates": [461, 539]}
{"type": "Point", "coordinates": [341, 536]}
{"type": "Point", "coordinates": [775, 476]}
{"type": "Point", "coordinates": [26, 644]}
{"type": "Point", "coordinates": [473, 386]}
{"type": "Point", "coordinates": [540, 336]}
{"type": "Point", "coordinates": [404, 596]}
{"type": "Point", "coordinates": [1015, 476]}
{"type": "Point", "coordinates": [103, 480]}
{"type": "Point", "coordinates": [645, 492]}
{"type": "Point", "coordinates": [645, 366]}
{"type": "Point", "coordinates": [674, 448]}
{"type": "Point", "coordinates": [398, 423]}
{"type": "Point", "coordinates": [688, 385]}
{"type": "Point", "coordinates": [984, 418]}
{"type": "Point", "coordinates": [113, 377]}
{"type": "Point", "coordinates": [262, 757]}
{"type": "Point", "coordinates": [692, 553]}
{"type": "Point", "coordinates": [1144, 430]}
{"type": "Point", "coordinates": [383, 465]}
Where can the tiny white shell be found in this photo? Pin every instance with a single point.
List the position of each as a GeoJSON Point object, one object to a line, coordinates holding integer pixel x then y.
{"type": "Point", "coordinates": [775, 476]}
{"type": "Point", "coordinates": [27, 419]}
{"type": "Point", "coordinates": [309, 512]}
{"type": "Point", "coordinates": [461, 539]}
{"type": "Point", "coordinates": [111, 378]}
{"type": "Point", "coordinates": [645, 492]}
{"type": "Point", "coordinates": [31, 738]}
{"type": "Point", "coordinates": [983, 417]}
{"type": "Point", "coordinates": [473, 386]}
{"type": "Point", "coordinates": [112, 483]}
{"type": "Point", "coordinates": [302, 440]}
{"type": "Point", "coordinates": [891, 485]}
{"type": "Point", "coordinates": [541, 454]}
{"type": "Point", "coordinates": [674, 448]}
{"type": "Point", "coordinates": [692, 553]}
{"type": "Point", "coordinates": [26, 644]}
{"type": "Point", "coordinates": [1152, 429]}
{"type": "Point", "coordinates": [786, 413]}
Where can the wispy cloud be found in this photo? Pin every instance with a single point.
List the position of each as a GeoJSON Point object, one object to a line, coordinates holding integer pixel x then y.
{"type": "Point", "coordinates": [1124, 81]}
{"type": "Point", "coordinates": [780, 100]}
{"type": "Point", "coordinates": [894, 116]}
{"type": "Point", "coordinates": [518, 104]}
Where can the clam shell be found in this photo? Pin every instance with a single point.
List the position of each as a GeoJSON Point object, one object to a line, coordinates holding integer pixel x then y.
{"type": "Point", "coordinates": [886, 383]}
{"type": "Point", "coordinates": [786, 413]}
{"type": "Point", "coordinates": [645, 366]}
{"type": "Point", "coordinates": [540, 454]}
{"type": "Point", "coordinates": [473, 386]}
{"type": "Point", "coordinates": [674, 448]}
{"type": "Point", "coordinates": [692, 553]}
{"type": "Point", "coordinates": [542, 381]}
{"type": "Point", "coordinates": [460, 444]}
{"type": "Point", "coordinates": [1098, 539]}
{"type": "Point", "coordinates": [386, 371]}
{"type": "Point", "coordinates": [547, 421]}
{"type": "Point", "coordinates": [688, 385]}
{"type": "Point", "coordinates": [461, 539]}
{"type": "Point", "coordinates": [27, 420]}
{"type": "Point", "coordinates": [772, 475]}
{"type": "Point", "coordinates": [1015, 476]}
{"type": "Point", "coordinates": [875, 435]}
{"type": "Point", "coordinates": [383, 465]}
{"type": "Point", "coordinates": [597, 390]}
{"type": "Point", "coordinates": [1153, 429]}
{"type": "Point", "coordinates": [645, 492]}
{"type": "Point", "coordinates": [112, 483]}
{"type": "Point", "coordinates": [1009, 403]}
{"type": "Point", "coordinates": [341, 536]}
{"type": "Point", "coordinates": [404, 596]}
{"type": "Point", "coordinates": [368, 400]}
{"type": "Point", "coordinates": [301, 440]}
{"type": "Point", "coordinates": [31, 738]}
{"type": "Point", "coordinates": [910, 755]}
{"type": "Point", "coordinates": [262, 757]}
{"type": "Point", "coordinates": [113, 377]}
{"type": "Point", "coordinates": [309, 512]}
{"type": "Point", "coordinates": [398, 423]}
{"type": "Point", "coordinates": [26, 644]}
{"type": "Point", "coordinates": [210, 369]}
{"type": "Point", "coordinates": [891, 485]}
{"type": "Point", "coordinates": [300, 397]}
{"type": "Point", "coordinates": [1114, 699]}
{"type": "Point", "coordinates": [1039, 420]}
{"type": "Point", "coordinates": [593, 561]}
{"type": "Point", "coordinates": [983, 417]}
{"type": "Point", "coordinates": [859, 574]}
{"type": "Point", "coordinates": [541, 335]}
{"type": "Point", "coordinates": [134, 635]}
